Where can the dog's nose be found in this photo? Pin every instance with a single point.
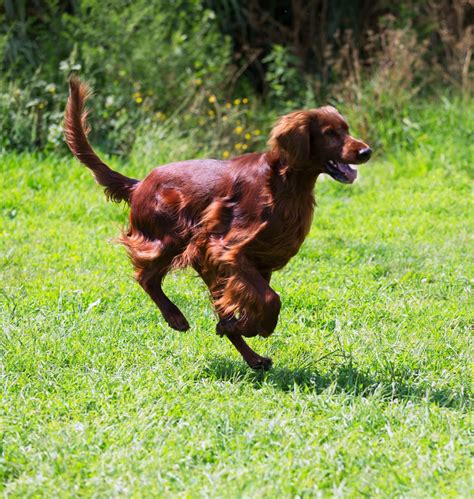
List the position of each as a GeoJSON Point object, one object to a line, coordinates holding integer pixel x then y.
{"type": "Point", "coordinates": [364, 154]}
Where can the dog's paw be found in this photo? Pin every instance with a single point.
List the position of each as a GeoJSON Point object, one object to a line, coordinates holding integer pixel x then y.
{"type": "Point", "coordinates": [178, 322]}
{"type": "Point", "coordinates": [260, 363]}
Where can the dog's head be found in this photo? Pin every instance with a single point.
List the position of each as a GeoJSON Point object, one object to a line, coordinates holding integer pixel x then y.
{"type": "Point", "coordinates": [319, 139]}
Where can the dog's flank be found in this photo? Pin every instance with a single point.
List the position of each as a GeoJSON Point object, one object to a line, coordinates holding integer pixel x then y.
{"type": "Point", "coordinates": [234, 221]}
{"type": "Point", "coordinates": [118, 187]}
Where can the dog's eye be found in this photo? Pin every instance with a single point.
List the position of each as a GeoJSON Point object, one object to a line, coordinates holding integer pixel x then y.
{"type": "Point", "coordinates": [331, 133]}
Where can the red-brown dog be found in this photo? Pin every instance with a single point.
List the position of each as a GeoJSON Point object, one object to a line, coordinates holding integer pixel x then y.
{"type": "Point", "coordinates": [234, 221]}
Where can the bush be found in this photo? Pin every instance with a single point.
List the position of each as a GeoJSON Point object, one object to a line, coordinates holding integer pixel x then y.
{"type": "Point", "coordinates": [176, 69]}
{"type": "Point", "coordinates": [143, 57]}
{"type": "Point", "coordinates": [211, 126]}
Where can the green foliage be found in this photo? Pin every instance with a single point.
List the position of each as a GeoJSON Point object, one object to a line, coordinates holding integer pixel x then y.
{"type": "Point", "coordinates": [143, 57]}
{"type": "Point", "coordinates": [155, 64]}
{"type": "Point", "coordinates": [211, 126]}
{"type": "Point", "coordinates": [283, 79]}
{"type": "Point", "coordinates": [32, 115]}
{"type": "Point", "coordinates": [371, 390]}
{"type": "Point", "coordinates": [419, 127]}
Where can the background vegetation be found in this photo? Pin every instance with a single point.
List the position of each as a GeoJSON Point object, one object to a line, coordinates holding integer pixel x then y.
{"type": "Point", "coordinates": [200, 69]}
{"type": "Point", "coordinates": [371, 393]}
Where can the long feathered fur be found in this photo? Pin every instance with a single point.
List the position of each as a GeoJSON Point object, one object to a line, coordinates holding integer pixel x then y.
{"type": "Point", "coordinates": [118, 187]}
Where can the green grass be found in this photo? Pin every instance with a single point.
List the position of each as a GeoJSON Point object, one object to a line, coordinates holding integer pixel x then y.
{"type": "Point", "coordinates": [370, 393]}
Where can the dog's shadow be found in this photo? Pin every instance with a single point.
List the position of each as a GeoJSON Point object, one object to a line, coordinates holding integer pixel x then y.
{"type": "Point", "coordinates": [343, 377]}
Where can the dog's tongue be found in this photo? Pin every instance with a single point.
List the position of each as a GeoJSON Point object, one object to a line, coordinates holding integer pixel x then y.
{"type": "Point", "coordinates": [349, 173]}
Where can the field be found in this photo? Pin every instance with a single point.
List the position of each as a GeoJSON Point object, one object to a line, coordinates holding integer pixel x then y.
{"type": "Point", "coordinates": [370, 390]}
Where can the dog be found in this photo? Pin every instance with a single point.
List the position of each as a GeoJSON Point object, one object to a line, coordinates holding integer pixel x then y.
{"type": "Point", "coordinates": [234, 221]}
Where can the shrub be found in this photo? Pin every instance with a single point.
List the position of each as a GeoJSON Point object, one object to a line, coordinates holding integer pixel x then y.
{"type": "Point", "coordinates": [143, 57]}
{"type": "Point", "coordinates": [174, 69]}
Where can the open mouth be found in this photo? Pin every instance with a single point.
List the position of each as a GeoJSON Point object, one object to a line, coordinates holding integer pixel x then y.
{"type": "Point", "coordinates": [341, 172]}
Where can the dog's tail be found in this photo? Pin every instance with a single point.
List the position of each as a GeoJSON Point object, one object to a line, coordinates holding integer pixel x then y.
{"type": "Point", "coordinates": [118, 187]}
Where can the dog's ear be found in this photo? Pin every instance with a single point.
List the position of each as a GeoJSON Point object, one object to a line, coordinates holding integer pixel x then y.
{"type": "Point", "coordinates": [291, 135]}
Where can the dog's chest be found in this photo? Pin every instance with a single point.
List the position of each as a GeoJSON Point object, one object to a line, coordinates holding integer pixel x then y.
{"type": "Point", "coordinates": [287, 226]}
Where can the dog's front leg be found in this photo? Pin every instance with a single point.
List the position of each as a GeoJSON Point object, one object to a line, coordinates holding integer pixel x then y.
{"type": "Point", "coordinates": [259, 305]}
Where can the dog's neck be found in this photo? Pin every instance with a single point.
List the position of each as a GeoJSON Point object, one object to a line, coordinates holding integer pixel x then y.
{"type": "Point", "coordinates": [300, 181]}
{"type": "Point", "coordinates": [296, 179]}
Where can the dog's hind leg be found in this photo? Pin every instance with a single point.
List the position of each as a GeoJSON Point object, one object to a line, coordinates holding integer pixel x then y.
{"type": "Point", "coordinates": [152, 259]}
{"type": "Point", "coordinates": [151, 279]}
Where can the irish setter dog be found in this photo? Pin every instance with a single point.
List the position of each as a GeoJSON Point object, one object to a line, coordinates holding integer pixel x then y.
{"type": "Point", "coordinates": [234, 221]}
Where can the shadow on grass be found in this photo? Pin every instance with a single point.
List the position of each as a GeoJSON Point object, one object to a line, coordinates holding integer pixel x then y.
{"type": "Point", "coordinates": [343, 377]}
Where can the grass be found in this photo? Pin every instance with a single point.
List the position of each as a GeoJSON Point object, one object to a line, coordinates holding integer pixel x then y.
{"type": "Point", "coordinates": [370, 393]}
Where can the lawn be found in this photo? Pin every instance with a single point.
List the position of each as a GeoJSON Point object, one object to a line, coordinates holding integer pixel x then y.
{"type": "Point", "coordinates": [370, 389]}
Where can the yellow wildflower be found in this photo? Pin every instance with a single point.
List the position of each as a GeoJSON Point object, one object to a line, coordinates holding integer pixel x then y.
{"type": "Point", "coordinates": [248, 136]}
{"type": "Point", "coordinates": [245, 100]}
{"type": "Point", "coordinates": [228, 105]}
{"type": "Point", "coordinates": [257, 132]}
{"type": "Point", "coordinates": [225, 154]}
{"type": "Point", "coordinates": [138, 100]}
{"type": "Point", "coordinates": [211, 113]}
{"type": "Point", "coordinates": [198, 81]}
{"type": "Point", "coordinates": [244, 146]}
{"type": "Point", "coordinates": [238, 146]}
{"type": "Point", "coordinates": [238, 130]}
{"type": "Point", "coordinates": [236, 102]}
{"type": "Point", "coordinates": [212, 99]}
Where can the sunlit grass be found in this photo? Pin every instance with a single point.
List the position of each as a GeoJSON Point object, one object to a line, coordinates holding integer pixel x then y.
{"type": "Point", "coordinates": [371, 385]}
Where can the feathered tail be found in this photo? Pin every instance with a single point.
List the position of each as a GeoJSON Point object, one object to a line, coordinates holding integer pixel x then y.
{"type": "Point", "coordinates": [118, 187]}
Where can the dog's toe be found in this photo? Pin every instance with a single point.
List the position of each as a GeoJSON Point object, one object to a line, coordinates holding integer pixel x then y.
{"type": "Point", "coordinates": [178, 322]}
{"type": "Point", "coordinates": [260, 363]}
